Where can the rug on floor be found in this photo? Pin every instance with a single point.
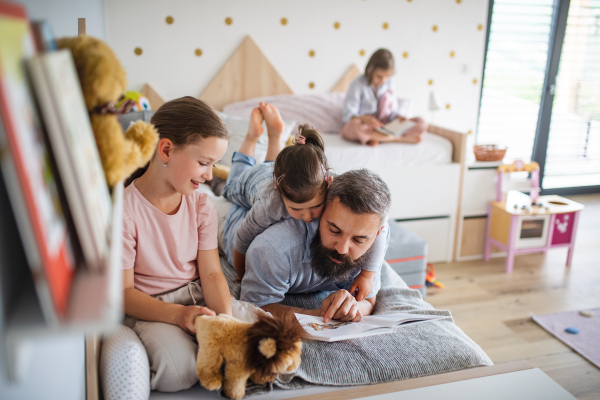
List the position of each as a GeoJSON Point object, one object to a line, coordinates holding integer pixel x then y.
{"type": "Point", "coordinates": [586, 341]}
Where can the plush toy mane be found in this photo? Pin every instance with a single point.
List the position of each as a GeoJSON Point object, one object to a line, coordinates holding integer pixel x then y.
{"type": "Point", "coordinates": [270, 340]}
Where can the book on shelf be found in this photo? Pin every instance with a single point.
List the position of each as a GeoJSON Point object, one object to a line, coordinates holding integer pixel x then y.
{"type": "Point", "coordinates": [71, 139]}
{"type": "Point", "coordinates": [396, 128]}
{"type": "Point", "coordinates": [44, 38]}
{"type": "Point", "coordinates": [369, 325]}
{"type": "Point", "coordinates": [30, 181]}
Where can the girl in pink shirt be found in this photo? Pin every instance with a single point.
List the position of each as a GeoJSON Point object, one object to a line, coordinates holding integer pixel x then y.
{"type": "Point", "coordinates": [172, 272]}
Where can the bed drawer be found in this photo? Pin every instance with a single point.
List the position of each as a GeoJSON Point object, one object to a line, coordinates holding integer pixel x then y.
{"type": "Point", "coordinates": [437, 232]}
{"type": "Point", "coordinates": [428, 191]}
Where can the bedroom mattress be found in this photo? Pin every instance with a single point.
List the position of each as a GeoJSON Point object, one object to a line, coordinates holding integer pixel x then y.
{"type": "Point", "coordinates": [343, 155]}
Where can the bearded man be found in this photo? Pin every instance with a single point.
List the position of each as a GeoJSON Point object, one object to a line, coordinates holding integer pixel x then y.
{"type": "Point", "coordinates": [293, 256]}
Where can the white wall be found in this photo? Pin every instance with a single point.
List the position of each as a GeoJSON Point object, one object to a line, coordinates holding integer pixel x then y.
{"type": "Point", "coordinates": [168, 61]}
{"type": "Point", "coordinates": [63, 15]}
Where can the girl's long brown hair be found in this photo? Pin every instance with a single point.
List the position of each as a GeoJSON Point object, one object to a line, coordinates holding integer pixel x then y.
{"type": "Point", "coordinates": [183, 121]}
{"type": "Point", "coordinates": [381, 59]}
{"type": "Point", "coordinates": [298, 171]}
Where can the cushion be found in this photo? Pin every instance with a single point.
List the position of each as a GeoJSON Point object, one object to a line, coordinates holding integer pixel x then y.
{"type": "Point", "coordinates": [124, 366]}
{"type": "Point", "coordinates": [322, 111]}
{"type": "Point", "coordinates": [238, 127]}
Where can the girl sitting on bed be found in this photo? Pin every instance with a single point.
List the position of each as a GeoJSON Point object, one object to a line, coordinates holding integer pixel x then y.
{"type": "Point", "coordinates": [371, 102]}
{"type": "Point", "coordinates": [171, 268]}
{"type": "Point", "coordinates": [291, 183]}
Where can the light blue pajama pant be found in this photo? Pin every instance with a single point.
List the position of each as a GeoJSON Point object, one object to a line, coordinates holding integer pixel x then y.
{"type": "Point", "coordinates": [246, 178]}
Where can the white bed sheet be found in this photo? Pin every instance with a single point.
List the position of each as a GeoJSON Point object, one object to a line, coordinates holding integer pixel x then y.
{"type": "Point", "coordinates": [343, 155]}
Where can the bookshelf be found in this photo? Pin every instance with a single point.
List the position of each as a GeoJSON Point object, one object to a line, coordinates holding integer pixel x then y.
{"type": "Point", "coordinates": [95, 302]}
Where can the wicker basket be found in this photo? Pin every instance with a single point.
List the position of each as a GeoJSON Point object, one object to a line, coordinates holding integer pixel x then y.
{"type": "Point", "coordinates": [489, 152]}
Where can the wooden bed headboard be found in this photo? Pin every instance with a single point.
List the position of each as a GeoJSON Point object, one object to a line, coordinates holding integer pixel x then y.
{"type": "Point", "coordinates": [247, 74]}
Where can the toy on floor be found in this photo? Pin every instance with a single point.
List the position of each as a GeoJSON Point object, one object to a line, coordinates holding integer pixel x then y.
{"type": "Point", "coordinates": [529, 223]}
{"type": "Point", "coordinates": [430, 279]}
{"type": "Point", "coordinates": [259, 351]}
{"type": "Point", "coordinates": [102, 81]}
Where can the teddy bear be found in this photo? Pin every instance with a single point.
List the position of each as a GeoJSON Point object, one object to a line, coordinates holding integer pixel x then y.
{"type": "Point", "coordinates": [259, 351]}
{"type": "Point", "coordinates": [103, 80]}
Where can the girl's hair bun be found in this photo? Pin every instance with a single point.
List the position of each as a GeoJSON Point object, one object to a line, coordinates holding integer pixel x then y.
{"type": "Point", "coordinates": [312, 136]}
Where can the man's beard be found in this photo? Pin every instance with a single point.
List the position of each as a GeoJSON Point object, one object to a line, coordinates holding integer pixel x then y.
{"type": "Point", "coordinates": [324, 267]}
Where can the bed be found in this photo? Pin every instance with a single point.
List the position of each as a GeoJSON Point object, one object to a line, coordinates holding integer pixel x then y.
{"type": "Point", "coordinates": [418, 175]}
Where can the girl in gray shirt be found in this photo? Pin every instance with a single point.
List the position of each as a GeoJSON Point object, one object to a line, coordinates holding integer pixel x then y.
{"type": "Point", "coordinates": [293, 186]}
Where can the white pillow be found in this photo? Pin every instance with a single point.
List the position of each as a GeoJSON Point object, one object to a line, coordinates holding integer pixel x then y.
{"type": "Point", "coordinates": [238, 127]}
{"type": "Point", "coordinates": [322, 111]}
{"type": "Point", "coordinates": [124, 366]}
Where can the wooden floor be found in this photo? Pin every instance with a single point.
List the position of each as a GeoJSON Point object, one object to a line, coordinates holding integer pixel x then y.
{"type": "Point", "coordinates": [493, 307]}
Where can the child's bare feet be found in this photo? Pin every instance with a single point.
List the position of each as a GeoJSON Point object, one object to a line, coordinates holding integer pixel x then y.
{"type": "Point", "coordinates": [255, 127]}
{"type": "Point", "coordinates": [275, 125]}
{"type": "Point", "coordinates": [410, 138]}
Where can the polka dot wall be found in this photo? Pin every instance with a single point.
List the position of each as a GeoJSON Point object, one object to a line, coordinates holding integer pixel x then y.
{"type": "Point", "coordinates": [438, 45]}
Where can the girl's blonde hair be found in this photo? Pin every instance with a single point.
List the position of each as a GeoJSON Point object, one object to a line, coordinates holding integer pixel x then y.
{"type": "Point", "coordinates": [301, 170]}
{"type": "Point", "coordinates": [183, 121]}
{"type": "Point", "coordinates": [381, 59]}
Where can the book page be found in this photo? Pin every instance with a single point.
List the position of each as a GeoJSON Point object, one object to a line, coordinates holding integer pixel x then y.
{"type": "Point", "coordinates": [369, 325]}
{"type": "Point", "coordinates": [336, 330]}
{"type": "Point", "coordinates": [397, 128]}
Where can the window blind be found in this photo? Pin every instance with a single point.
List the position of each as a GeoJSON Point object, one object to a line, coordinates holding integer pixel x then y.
{"type": "Point", "coordinates": [514, 75]}
{"type": "Point", "coordinates": [573, 155]}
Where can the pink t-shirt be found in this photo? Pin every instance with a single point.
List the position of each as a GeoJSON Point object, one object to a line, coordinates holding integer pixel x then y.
{"type": "Point", "coordinates": [162, 249]}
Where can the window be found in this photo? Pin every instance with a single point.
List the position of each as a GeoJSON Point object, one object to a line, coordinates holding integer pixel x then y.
{"type": "Point", "coordinates": [573, 154]}
{"type": "Point", "coordinates": [514, 75]}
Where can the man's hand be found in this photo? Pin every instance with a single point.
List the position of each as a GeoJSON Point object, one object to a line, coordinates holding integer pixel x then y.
{"type": "Point", "coordinates": [340, 305]}
{"type": "Point", "coordinates": [186, 317]}
{"type": "Point", "coordinates": [371, 121]}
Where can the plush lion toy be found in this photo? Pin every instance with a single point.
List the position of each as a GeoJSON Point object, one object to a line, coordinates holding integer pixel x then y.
{"type": "Point", "coordinates": [259, 351]}
{"type": "Point", "coordinates": [103, 80]}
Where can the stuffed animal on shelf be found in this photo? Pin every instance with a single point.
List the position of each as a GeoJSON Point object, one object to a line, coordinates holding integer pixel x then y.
{"type": "Point", "coordinates": [259, 351]}
{"type": "Point", "coordinates": [103, 80]}
{"type": "Point", "coordinates": [138, 102]}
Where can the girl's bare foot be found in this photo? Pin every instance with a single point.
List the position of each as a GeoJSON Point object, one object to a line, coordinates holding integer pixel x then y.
{"type": "Point", "coordinates": [255, 127]}
{"type": "Point", "coordinates": [275, 125]}
{"type": "Point", "coordinates": [410, 138]}
{"type": "Point", "coordinates": [372, 143]}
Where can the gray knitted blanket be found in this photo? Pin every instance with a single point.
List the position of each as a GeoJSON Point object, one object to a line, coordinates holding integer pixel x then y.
{"type": "Point", "coordinates": [410, 351]}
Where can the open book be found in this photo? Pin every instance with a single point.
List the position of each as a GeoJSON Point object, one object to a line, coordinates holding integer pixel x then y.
{"type": "Point", "coordinates": [370, 325]}
{"type": "Point", "coordinates": [396, 128]}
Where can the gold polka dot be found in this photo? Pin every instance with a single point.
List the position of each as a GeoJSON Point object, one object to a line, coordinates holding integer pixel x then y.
{"type": "Point", "coordinates": [169, 20]}
{"type": "Point", "coordinates": [283, 21]}
{"type": "Point", "coordinates": [458, 1]}
{"type": "Point", "coordinates": [198, 52]}
{"type": "Point", "coordinates": [311, 85]}
{"type": "Point", "coordinates": [448, 106]}
{"type": "Point", "coordinates": [228, 21]}
{"type": "Point", "coordinates": [475, 81]}
{"type": "Point", "coordinates": [430, 82]}
{"type": "Point", "coordinates": [138, 51]}
{"type": "Point", "coordinates": [362, 53]}
{"type": "Point", "coordinates": [451, 54]}
{"type": "Point", "coordinates": [311, 53]}
{"type": "Point", "coordinates": [336, 25]}
{"type": "Point", "coordinates": [409, 0]}
{"type": "Point", "coordinates": [470, 131]}
{"type": "Point", "coordinates": [479, 27]}
{"type": "Point", "coordinates": [385, 25]}
{"type": "Point", "coordinates": [405, 54]}
{"type": "Point", "coordinates": [434, 28]}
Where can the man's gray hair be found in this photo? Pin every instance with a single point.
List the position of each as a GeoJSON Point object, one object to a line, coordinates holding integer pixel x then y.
{"type": "Point", "coordinates": [363, 192]}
